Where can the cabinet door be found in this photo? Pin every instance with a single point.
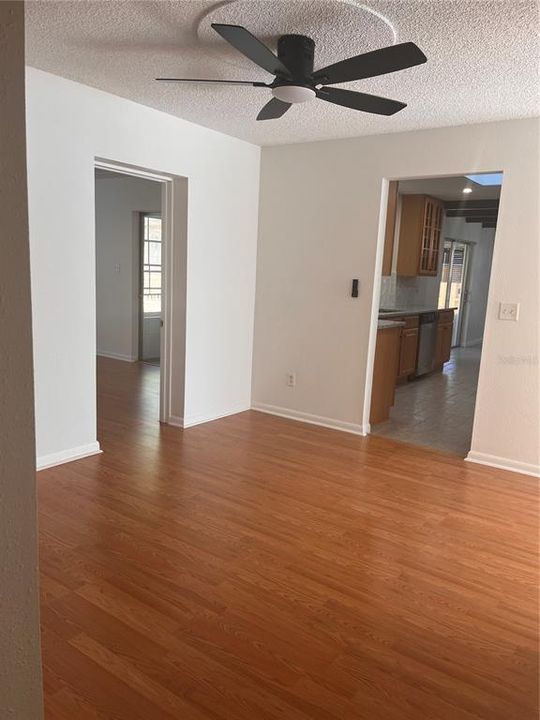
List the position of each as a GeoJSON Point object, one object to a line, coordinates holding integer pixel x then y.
{"type": "Point", "coordinates": [384, 374]}
{"type": "Point", "coordinates": [436, 239]}
{"type": "Point", "coordinates": [431, 237]}
{"type": "Point", "coordinates": [408, 351]}
{"type": "Point", "coordinates": [410, 234]}
{"type": "Point", "coordinates": [443, 345]}
{"type": "Point", "coordinates": [425, 247]}
{"type": "Point", "coordinates": [447, 342]}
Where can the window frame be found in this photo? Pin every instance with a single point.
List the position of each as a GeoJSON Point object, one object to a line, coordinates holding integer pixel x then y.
{"type": "Point", "coordinates": [149, 267]}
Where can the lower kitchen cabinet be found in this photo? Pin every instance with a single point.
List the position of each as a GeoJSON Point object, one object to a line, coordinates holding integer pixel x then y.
{"type": "Point", "coordinates": [396, 357]}
{"type": "Point", "coordinates": [443, 343]}
{"type": "Point", "coordinates": [408, 350]}
{"type": "Point", "coordinates": [387, 352]}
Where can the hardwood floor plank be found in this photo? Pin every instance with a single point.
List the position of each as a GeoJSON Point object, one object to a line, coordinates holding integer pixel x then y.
{"type": "Point", "coordinates": [96, 686]}
{"type": "Point", "coordinates": [255, 568]}
{"type": "Point", "coordinates": [167, 701]}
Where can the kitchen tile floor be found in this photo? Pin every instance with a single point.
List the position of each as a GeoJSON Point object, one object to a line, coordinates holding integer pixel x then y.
{"type": "Point", "coordinates": [437, 410]}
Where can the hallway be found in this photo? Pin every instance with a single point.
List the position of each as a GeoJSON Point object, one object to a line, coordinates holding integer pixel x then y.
{"type": "Point", "coordinates": [437, 410]}
{"type": "Point", "coordinates": [256, 567]}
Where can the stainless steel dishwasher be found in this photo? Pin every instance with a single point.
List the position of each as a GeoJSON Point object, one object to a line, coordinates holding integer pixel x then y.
{"type": "Point", "coordinates": [426, 343]}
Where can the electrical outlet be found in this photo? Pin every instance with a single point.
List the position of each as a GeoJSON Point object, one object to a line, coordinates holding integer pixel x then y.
{"type": "Point", "coordinates": [508, 311]}
{"type": "Point", "coordinates": [117, 268]}
{"type": "Point", "coordinates": [291, 379]}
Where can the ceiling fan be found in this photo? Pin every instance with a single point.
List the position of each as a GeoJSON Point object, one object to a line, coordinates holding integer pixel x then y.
{"type": "Point", "coordinates": [296, 82]}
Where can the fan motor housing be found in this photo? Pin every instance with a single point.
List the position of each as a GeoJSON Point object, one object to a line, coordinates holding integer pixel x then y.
{"type": "Point", "coordinates": [297, 52]}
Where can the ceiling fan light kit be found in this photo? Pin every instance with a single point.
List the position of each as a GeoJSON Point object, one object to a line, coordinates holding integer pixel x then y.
{"type": "Point", "coordinates": [293, 93]}
{"type": "Point", "coordinates": [297, 53]}
{"type": "Point", "coordinates": [297, 82]}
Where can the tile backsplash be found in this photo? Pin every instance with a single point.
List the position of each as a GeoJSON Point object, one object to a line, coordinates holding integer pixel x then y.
{"type": "Point", "coordinates": [402, 292]}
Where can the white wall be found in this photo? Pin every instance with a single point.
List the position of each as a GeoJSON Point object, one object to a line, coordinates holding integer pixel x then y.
{"type": "Point", "coordinates": [151, 337]}
{"type": "Point", "coordinates": [320, 207]}
{"type": "Point", "coordinates": [223, 177]}
{"type": "Point", "coordinates": [482, 255]}
{"type": "Point", "coordinates": [118, 202]}
{"type": "Point", "coordinates": [20, 666]}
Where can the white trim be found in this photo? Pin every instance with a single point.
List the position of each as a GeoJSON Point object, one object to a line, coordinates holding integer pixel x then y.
{"type": "Point", "coordinates": [375, 302]}
{"type": "Point", "coordinates": [175, 421]}
{"type": "Point", "coordinates": [200, 419]}
{"type": "Point", "coordinates": [117, 356]}
{"type": "Point", "coordinates": [503, 463]}
{"type": "Point", "coordinates": [311, 419]}
{"type": "Point", "coordinates": [472, 343]}
{"type": "Point", "coordinates": [65, 456]}
{"type": "Point", "coordinates": [165, 341]}
{"type": "Point", "coordinates": [131, 170]}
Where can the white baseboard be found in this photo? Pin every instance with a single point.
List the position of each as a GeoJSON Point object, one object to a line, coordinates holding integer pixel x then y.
{"type": "Point", "coordinates": [200, 419]}
{"type": "Point", "coordinates": [116, 356]}
{"type": "Point", "coordinates": [311, 419]}
{"type": "Point", "coordinates": [503, 463]}
{"type": "Point", "coordinates": [175, 421]}
{"type": "Point", "coordinates": [65, 456]}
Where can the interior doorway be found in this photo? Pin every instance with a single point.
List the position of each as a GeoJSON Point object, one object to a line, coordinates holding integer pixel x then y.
{"type": "Point", "coordinates": [430, 307]}
{"type": "Point", "coordinates": [141, 269]}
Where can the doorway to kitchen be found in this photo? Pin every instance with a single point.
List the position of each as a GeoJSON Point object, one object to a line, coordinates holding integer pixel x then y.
{"type": "Point", "coordinates": [436, 265]}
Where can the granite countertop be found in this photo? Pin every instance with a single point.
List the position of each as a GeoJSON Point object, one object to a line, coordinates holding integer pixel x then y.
{"type": "Point", "coordinates": [411, 310]}
{"type": "Point", "coordinates": [384, 324]}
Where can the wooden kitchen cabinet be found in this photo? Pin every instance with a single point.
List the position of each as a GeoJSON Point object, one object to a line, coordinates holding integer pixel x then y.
{"type": "Point", "coordinates": [419, 235]}
{"type": "Point", "coordinates": [384, 373]}
{"type": "Point", "coordinates": [408, 352]}
{"type": "Point", "coordinates": [443, 343]}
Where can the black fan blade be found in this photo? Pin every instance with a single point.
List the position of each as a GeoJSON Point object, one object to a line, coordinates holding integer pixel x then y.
{"type": "Point", "coordinates": [252, 48]}
{"type": "Point", "coordinates": [273, 109]}
{"type": "Point", "coordinates": [219, 82]}
{"type": "Point", "coordinates": [360, 101]}
{"type": "Point", "coordinates": [378, 62]}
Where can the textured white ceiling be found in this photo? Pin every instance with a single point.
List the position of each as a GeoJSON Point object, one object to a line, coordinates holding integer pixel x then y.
{"type": "Point", "coordinates": [482, 59]}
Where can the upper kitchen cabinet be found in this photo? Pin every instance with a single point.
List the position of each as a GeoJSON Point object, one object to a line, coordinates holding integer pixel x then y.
{"type": "Point", "coordinates": [419, 235]}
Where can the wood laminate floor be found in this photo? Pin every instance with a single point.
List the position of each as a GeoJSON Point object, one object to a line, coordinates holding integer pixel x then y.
{"type": "Point", "coordinates": [257, 568]}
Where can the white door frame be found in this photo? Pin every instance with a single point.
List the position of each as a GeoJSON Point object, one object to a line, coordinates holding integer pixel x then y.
{"type": "Point", "coordinates": [167, 214]}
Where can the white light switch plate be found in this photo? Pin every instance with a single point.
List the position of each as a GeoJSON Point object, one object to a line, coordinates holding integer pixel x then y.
{"type": "Point", "coordinates": [508, 311]}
